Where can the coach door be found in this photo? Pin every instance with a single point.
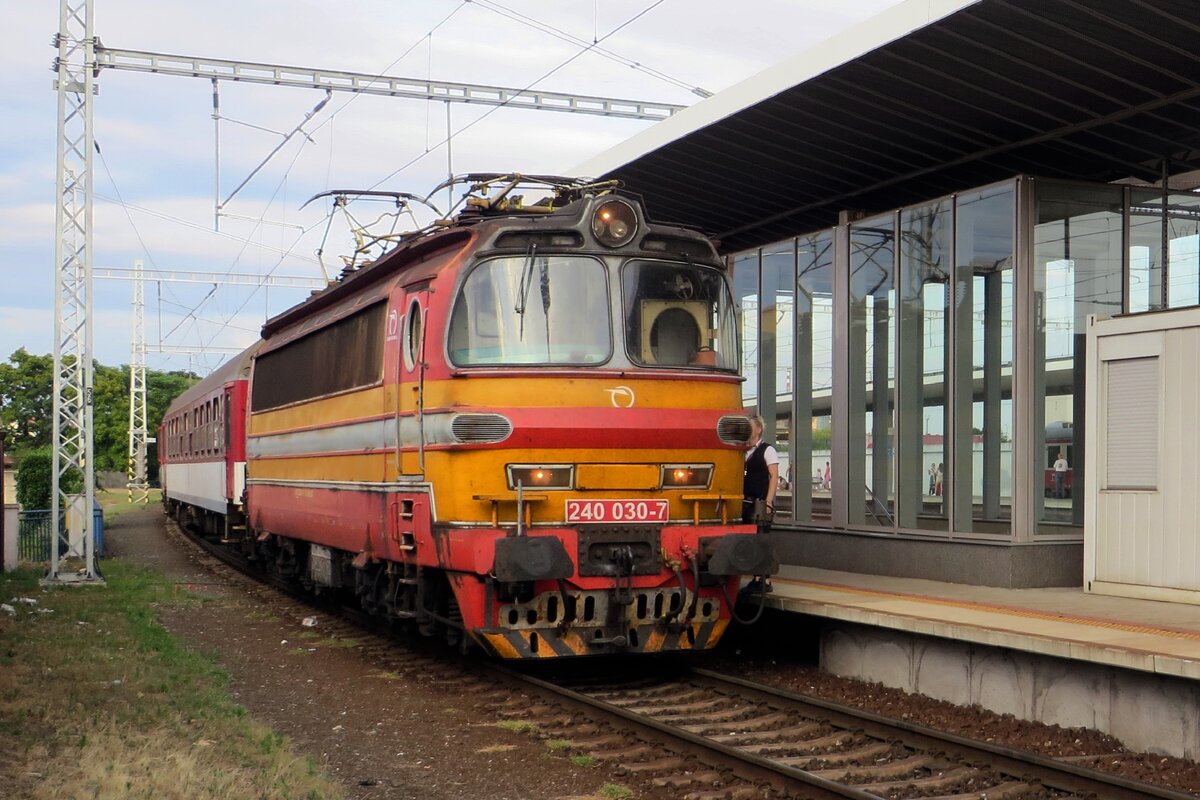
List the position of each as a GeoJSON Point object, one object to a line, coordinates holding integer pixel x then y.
{"type": "Point", "coordinates": [410, 426]}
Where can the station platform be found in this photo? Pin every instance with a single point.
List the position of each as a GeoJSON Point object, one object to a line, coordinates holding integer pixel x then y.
{"type": "Point", "coordinates": [1068, 623]}
{"type": "Point", "coordinates": [1130, 668]}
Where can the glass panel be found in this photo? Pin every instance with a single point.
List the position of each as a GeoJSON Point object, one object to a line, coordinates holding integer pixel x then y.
{"type": "Point", "coordinates": [924, 347]}
{"type": "Point", "coordinates": [813, 379]}
{"type": "Point", "coordinates": [984, 234]}
{"type": "Point", "coordinates": [777, 323]}
{"type": "Point", "coordinates": [1148, 230]}
{"type": "Point", "coordinates": [678, 315]}
{"type": "Point", "coordinates": [871, 374]}
{"type": "Point", "coordinates": [316, 365]}
{"type": "Point", "coordinates": [1077, 271]}
{"type": "Point", "coordinates": [745, 294]}
{"type": "Point", "coordinates": [532, 310]}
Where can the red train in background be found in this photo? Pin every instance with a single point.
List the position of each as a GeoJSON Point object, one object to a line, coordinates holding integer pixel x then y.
{"type": "Point", "coordinates": [520, 429]}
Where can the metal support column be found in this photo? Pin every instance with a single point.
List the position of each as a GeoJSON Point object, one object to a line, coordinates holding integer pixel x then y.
{"type": "Point", "coordinates": [139, 488]}
{"type": "Point", "coordinates": [73, 442]}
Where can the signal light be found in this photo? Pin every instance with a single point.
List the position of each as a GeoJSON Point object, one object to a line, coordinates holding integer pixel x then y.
{"type": "Point", "coordinates": [529, 476]}
{"type": "Point", "coordinates": [614, 223]}
{"type": "Point", "coordinates": [686, 476]}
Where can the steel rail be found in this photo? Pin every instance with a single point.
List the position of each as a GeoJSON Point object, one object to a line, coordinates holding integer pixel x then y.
{"type": "Point", "coordinates": [746, 766]}
{"type": "Point", "coordinates": [1016, 763]}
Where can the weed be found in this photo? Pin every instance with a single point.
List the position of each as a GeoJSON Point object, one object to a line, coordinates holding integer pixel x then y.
{"type": "Point", "coordinates": [517, 726]}
{"type": "Point", "coordinates": [615, 791]}
{"type": "Point", "coordinates": [150, 718]}
{"type": "Point", "coordinates": [583, 761]}
{"type": "Point", "coordinates": [558, 744]}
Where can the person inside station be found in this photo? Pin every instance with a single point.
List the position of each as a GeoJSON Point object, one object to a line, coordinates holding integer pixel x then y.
{"type": "Point", "coordinates": [1060, 475]}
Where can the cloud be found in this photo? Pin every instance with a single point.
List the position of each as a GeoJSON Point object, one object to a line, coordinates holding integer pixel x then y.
{"type": "Point", "coordinates": [156, 133]}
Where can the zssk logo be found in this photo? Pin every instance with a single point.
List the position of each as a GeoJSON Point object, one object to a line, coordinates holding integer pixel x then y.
{"type": "Point", "coordinates": [621, 397]}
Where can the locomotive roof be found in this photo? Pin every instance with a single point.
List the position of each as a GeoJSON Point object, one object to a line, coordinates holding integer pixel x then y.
{"type": "Point", "coordinates": [472, 225]}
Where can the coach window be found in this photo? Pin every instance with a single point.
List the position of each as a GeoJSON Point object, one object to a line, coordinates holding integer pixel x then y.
{"type": "Point", "coordinates": [532, 310]}
{"type": "Point", "coordinates": [218, 426]}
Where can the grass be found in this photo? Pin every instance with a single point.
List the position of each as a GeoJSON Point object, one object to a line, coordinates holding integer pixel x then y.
{"type": "Point", "coordinates": [116, 501]}
{"type": "Point", "coordinates": [615, 791]}
{"type": "Point", "coordinates": [583, 761]}
{"type": "Point", "coordinates": [554, 745]}
{"type": "Point", "coordinates": [97, 700]}
{"type": "Point", "coordinates": [516, 726]}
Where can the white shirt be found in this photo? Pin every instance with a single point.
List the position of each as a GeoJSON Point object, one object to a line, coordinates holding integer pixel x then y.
{"type": "Point", "coordinates": [1060, 465]}
{"type": "Point", "coordinates": [769, 454]}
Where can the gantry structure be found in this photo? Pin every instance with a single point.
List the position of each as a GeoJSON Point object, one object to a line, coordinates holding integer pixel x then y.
{"type": "Point", "coordinates": [80, 59]}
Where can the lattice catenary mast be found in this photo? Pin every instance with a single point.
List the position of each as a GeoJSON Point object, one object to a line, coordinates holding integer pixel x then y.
{"type": "Point", "coordinates": [79, 59]}
{"type": "Point", "coordinates": [73, 301]}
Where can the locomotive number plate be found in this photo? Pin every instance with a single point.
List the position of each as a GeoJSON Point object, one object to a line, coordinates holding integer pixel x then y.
{"type": "Point", "coordinates": [617, 510]}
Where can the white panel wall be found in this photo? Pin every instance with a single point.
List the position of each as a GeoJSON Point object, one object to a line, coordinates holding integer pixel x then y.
{"type": "Point", "coordinates": [1142, 542]}
{"type": "Point", "coordinates": [201, 484]}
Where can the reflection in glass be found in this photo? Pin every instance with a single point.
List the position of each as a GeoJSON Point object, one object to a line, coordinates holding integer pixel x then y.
{"type": "Point", "coordinates": [1156, 239]}
{"type": "Point", "coordinates": [984, 229]}
{"type": "Point", "coordinates": [813, 379]}
{"type": "Point", "coordinates": [870, 474]}
{"type": "Point", "coordinates": [745, 307]}
{"type": "Point", "coordinates": [1077, 271]}
{"type": "Point", "coordinates": [776, 331]}
{"type": "Point", "coordinates": [539, 310]}
{"type": "Point", "coordinates": [924, 346]}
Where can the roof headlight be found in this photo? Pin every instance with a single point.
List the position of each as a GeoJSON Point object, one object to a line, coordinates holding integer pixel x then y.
{"type": "Point", "coordinates": [614, 223]}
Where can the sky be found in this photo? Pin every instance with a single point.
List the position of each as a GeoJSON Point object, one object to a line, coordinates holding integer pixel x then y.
{"type": "Point", "coordinates": [154, 178]}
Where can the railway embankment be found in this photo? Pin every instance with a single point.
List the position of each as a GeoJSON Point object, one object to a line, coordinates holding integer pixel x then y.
{"type": "Point", "coordinates": [98, 700]}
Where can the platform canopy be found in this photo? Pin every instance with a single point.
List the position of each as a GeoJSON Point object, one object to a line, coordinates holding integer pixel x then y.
{"type": "Point", "coordinates": [929, 97]}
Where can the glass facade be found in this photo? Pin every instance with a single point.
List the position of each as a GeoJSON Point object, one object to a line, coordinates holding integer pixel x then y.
{"type": "Point", "coordinates": [925, 367]}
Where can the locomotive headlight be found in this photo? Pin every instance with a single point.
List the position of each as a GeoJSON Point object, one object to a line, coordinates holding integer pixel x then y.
{"type": "Point", "coordinates": [614, 223]}
{"type": "Point", "coordinates": [540, 476]}
{"type": "Point", "coordinates": [686, 476]}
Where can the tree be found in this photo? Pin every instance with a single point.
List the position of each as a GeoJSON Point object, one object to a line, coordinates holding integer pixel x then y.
{"type": "Point", "coordinates": [34, 480]}
{"type": "Point", "coordinates": [27, 405]}
{"type": "Point", "coordinates": [26, 400]}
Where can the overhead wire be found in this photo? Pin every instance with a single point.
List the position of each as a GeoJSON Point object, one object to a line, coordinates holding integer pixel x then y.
{"type": "Point", "coordinates": [567, 36]}
{"type": "Point", "coordinates": [587, 48]}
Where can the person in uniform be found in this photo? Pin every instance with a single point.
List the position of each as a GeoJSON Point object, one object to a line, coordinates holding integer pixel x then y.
{"type": "Point", "coordinates": [762, 476]}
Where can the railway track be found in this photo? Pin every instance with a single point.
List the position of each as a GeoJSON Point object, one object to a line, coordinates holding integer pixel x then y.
{"type": "Point", "coordinates": [805, 747]}
{"type": "Point", "coordinates": [700, 735]}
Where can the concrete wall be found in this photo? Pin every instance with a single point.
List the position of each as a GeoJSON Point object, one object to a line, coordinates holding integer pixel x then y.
{"type": "Point", "coordinates": [1004, 564]}
{"type": "Point", "coordinates": [1146, 711]}
{"type": "Point", "coordinates": [8, 561]}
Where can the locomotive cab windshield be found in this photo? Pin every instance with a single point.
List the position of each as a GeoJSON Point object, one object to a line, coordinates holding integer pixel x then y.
{"type": "Point", "coordinates": [553, 310]}
{"type": "Point", "coordinates": [678, 315]}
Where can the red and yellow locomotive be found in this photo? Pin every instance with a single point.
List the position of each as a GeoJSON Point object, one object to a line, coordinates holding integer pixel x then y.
{"type": "Point", "coordinates": [520, 429]}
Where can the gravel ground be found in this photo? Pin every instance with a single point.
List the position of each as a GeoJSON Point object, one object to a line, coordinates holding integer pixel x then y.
{"type": "Point", "coordinates": [395, 735]}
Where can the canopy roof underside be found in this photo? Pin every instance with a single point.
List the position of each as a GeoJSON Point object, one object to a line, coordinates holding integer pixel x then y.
{"type": "Point", "coordinates": [1098, 90]}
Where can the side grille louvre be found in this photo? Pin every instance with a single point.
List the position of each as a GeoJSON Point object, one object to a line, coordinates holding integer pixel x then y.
{"type": "Point", "coordinates": [480, 428]}
{"type": "Point", "coordinates": [734, 429]}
